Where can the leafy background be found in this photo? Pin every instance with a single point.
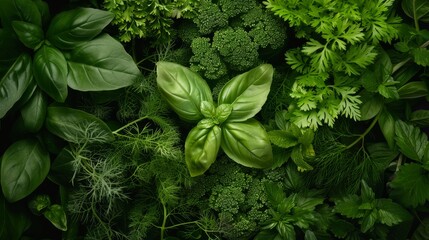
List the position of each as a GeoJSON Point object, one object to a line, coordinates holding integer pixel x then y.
{"type": "Point", "coordinates": [91, 150]}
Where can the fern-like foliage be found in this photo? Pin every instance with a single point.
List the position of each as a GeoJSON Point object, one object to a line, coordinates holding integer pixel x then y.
{"type": "Point", "coordinates": [340, 42]}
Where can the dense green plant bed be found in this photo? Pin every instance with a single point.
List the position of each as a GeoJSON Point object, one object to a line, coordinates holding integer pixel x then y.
{"type": "Point", "coordinates": [214, 119]}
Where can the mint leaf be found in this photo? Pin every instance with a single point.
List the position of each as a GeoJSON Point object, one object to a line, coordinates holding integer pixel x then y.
{"type": "Point", "coordinates": [410, 186]}
{"type": "Point", "coordinates": [410, 140]}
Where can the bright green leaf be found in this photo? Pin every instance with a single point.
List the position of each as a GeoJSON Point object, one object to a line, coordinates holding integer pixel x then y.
{"type": "Point", "coordinates": [100, 65]}
{"type": "Point", "coordinates": [222, 112]}
{"type": "Point", "coordinates": [50, 72]}
{"type": "Point", "coordinates": [57, 216]}
{"type": "Point", "coordinates": [415, 89]}
{"type": "Point", "coordinates": [387, 126]}
{"type": "Point", "coordinates": [34, 111]}
{"type": "Point", "coordinates": [201, 148]}
{"type": "Point", "coordinates": [275, 194]}
{"type": "Point", "coordinates": [297, 156]}
{"type": "Point", "coordinates": [208, 109]}
{"type": "Point", "coordinates": [247, 92]}
{"type": "Point", "coordinates": [71, 28]}
{"type": "Point", "coordinates": [410, 140]}
{"type": "Point", "coordinates": [77, 126]}
{"type": "Point", "coordinates": [247, 143]}
{"type": "Point", "coordinates": [183, 89]}
{"type": "Point", "coordinates": [24, 166]}
{"type": "Point", "coordinates": [282, 139]}
{"type": "Point", "coordinates": [410, 185]}
{"type": "Point", "coordinates": [14, 83]}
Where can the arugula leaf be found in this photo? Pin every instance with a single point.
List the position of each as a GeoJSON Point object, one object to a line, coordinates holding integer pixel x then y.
{"type": "Point", "coordinates": [410, 140]}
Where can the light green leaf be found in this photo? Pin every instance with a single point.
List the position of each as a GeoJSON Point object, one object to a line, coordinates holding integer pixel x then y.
{"type": "Point", "coordinates": [208, 109]}
{"type": "Point", "coordinates": [201, 148]}
{"type": "Point", "coordinates": [31, 35]}
{"type": "Point", "coordinates": [77, 126]}
{"type": "Point", "coordinates": [71, 28]}
{"type": "Point", "coordinates": [287, 231]}
{"type": "Point", "coordinates": [389, 92]}
{"type": "Point", "coordinates": [391, 213]}
{"type": "Point", "coordinates": [57, 216]}
{"type": "Point", "coordinates": [410, 185]}
{"type": "Point", "coordinates": [298, 158]}
{"type": "Point", "coordinates": [282, 139]}
{"type": "Point", "coordinates": [416, 9]}
{"type": "Point", "coordinates": [247, 143]}
{"type": "Point", "coordinates": [247, 92]}
{"type": "Point", "coordinates": [222, 112]}
{"type": "Point", "coordinates": [387, 126]}
{"type": "Point", "coordinates": [25, 165]}
{"type": "Point", "coordinates": [50, 72]}
{"type": "Point", "coordinates": [100, 65]}
{"type": "Point", "coordinates": [309, 235]}
{"type": "Point", "coordinates": [34, 111]}
{"type": "Point", "coordinates": [183, 90]}
{"type": "Point", "coordinates": [410, 140]}
{"type": "Point", "coordinates": [14, 83]}
{"type": "Point", "coordinates": [349, 206]}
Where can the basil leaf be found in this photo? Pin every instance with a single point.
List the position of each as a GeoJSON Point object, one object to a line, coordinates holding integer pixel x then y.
{"type": "Point", "coordinates": [420, 117]}
{"type": "Point", "coordinates": [34, 111]}
{"type": "Point", "coordinates": [410, 140]}
{"type": "Point", "coordinates": [70, 28]}
{"type": "Point", "coordinates": [57, 216]}
{"type": "Point", "coordinates": [247, 143]}
{"type": "Point", "coordinates": [14, 83]}
{"type": "Point", "coordinates": [101, 64]}
{"type": "Point", "coordinates": [416, 9]}
{"type": "Point", "coordinates": [25, 164]}
{"type": "Point", "coordinates": [247, 92]}
{"type": "Point", "coordinates": [19, 10]}
{"type": "Point", "coordinates": [208, 109]}
{"type": "Point", "coordinates": [77, 126]}
{"type": "Point", "coordinates": [50, 72]}
{"type": "Point", "coordinates": [222, 112]}
{"type": "Point", "coordinates": [29, 34]}
{"type": "Point", "coordinates": [183, 90]}
{"type": "Point", "coordinates": [201, 148]}
{"type": "Point", "coordinates": [44, 11]}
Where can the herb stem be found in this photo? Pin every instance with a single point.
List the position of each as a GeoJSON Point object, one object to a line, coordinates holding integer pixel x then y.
{"type": "Point", "coordinates": [129, 124]}
{"type": "Point", "coordinates": [371, 126]}
{"type": "Point", "coordinates": [401, 64]}
{"type": "Point", "coordinates": [164, 221]}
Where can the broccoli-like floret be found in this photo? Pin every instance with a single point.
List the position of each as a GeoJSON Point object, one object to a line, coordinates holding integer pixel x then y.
{"type": "Point", "coordinates": [237, 48]}
{"type": "Point", "coordinates": [209, 17]}
{"type": "Point", "coordinates": [188, 31]}
{"type": "Point", "coordinates": [264, 28]}
{"type": "Point", "coordinates": [233, 8]}
{"type": "Point", "coordinates": [206, 59]}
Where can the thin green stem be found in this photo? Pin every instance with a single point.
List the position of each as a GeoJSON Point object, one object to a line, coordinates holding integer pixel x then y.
{"type": "Point", "coordinates": [416, 20]}
{"type": "Point", "coordinates": [371, 126]}
{"type": "Point", "coordinates": [401, 64]}
{"type": "Point", "coordinates": [179, 224]}
{"type": "Point", "coordinates": [164, 221]}
{"type": "Point", "coordinates": [129, 124]}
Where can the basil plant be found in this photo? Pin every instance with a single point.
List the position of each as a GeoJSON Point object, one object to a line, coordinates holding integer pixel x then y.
{"type": "Point", "coordinates": [227, 124]}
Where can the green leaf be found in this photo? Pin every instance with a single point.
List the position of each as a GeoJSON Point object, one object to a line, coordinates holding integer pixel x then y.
{"type": "Point", "coordinates": [415, 89]}
{"type": "Point", "coordinates": [71, 28]}
{"type": "Point", "coordinates": [34, 111]}
{"type": "Point", "coordinates": [44, 11]}
{"type": "Point", "coordinates": [222, 112]}
{"type": "Point", "coordinates": [62, 168]}
{"type": "Point", "coordinates": [39, 203]}
{"type": "Point", "coordinates": [14, 83]}
{"type": "Point", "coordinates": [341, 228]}
{"type": "Point", "coordinates": [349, 206]}
{"type": "Point", "coordinates": [391, 213]}
{"type": "Point", "coordinates": [409, 186]}
{"type": "Point", "coordinates": [282, 138]}
{"type": "Point", "coordinates": [25, 165]}
{"type": "Point", "coordinates": [57, 216]}
{"type": "Point", "coordinates": [100, 65]}
{"type": "Point", "coordinates": [421, 55]}
{"type": "Point", "coordinates": [387, 126]}
{"type": "Point", "coordinates": [183, 89]}
{"type": "Point", "coordinates": [368, 221]}
{"type": "Point", "coordinates": [367, 195]}
{"type": "Point", "coordinates": [50, 72]}
{"type": "Point", "coordinates": [247, 92]}
{"type": "Point", "coordinates": [19, 10]}
{"type": "Point", "coordinates": [416, 9]}
{"type": "Point", "coordinates": [247, 143]}
{"type": "Point", "coordinates": [371, 106]}
{"type": "Point", "coordinates": [309, 235]}
{"type": "Point", "coordinates": [31, 35]}
{"type": "Point", "coordinates": [389, 92]}
{"type": "Point", "coordinates": [298, 158]}
{"type": "Point", "coordinates": [77, 126]}
{"type": "Point", "coordinates": [264, 235]}
{"type": "Point", "coordinates": [208, 109]}
{"type": "Point", "coordinates": [420, 118]}
{"type": "Point", "coordinates": [422, 231]}
{"type": "Point", "coordinates": [275, 194]}
{"type": "Point", "coordinates": [201, 148]}
{"type": "Point", "coordinates": [287, 231]}
{"type": "Point", "coordinates": [410, 140]}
